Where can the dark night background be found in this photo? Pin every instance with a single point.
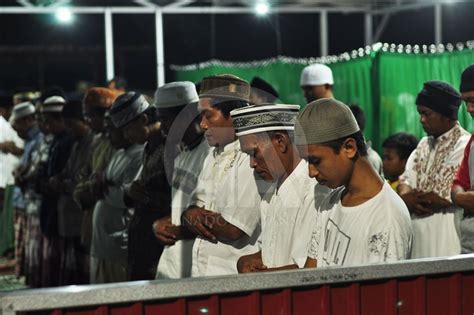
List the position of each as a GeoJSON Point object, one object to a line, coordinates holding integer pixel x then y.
{"type": "Point", "coordinates": [36, 51]}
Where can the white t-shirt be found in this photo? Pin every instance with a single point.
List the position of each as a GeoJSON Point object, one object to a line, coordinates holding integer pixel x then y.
{"type": "Point", "coordinates": [288, 218]}
{"type": "Point", "coordinates": [176, 260]}
{"type": "Point", "coordinates": [227, 186]}
{"type": "Point", "coordinates": [379, 230]}
{"type": "Point", "coordinates": [8, 162]}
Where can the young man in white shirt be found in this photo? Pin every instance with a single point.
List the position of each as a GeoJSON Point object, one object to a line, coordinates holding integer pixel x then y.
{"type": "Point", "coordinates": [425, 186]}
{"type": "Point", "coordinates": [362, 220]}
{"type": "Point", "coordinates": [288, 210]}
{"type": "Point", "coordinates": [224, 210]}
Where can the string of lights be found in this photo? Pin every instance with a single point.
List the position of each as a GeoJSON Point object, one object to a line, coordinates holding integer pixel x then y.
{"type": "Point", "coordinates": [354, 54]}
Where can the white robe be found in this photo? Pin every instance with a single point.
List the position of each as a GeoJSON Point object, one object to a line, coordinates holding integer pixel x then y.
{"type": "Point", "coordinates": [176, 260]}
{"type": "Point", "coordinates": [227, 186]}
{"type": "Point", "coordinates": [288, 218]}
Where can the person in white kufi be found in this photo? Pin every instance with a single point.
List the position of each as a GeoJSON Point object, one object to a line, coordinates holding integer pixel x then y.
{"type": "Point", "coordinates": [316, 82]}
{"type": "Point", "coordinates": [181, 98]}
{"type": "Point", "coordinates": [288, 210]}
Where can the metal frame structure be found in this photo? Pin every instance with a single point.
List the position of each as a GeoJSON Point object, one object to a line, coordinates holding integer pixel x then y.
{"type": "Point", "coordinates": [181, 7]}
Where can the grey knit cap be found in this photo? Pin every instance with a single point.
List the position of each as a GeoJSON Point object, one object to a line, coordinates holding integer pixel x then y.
{"type": "Point", "coordinates": [324, 120]}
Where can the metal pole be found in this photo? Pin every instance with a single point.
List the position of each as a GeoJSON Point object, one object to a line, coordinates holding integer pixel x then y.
{"type": "Point", "coordinates": [438, 18]}
{"type": "Point", "coordinates": [109, 45]}
{"type": "Point", "coordinates": [160, 52]}
{"type": "Point", "coordinates": [369, 37]}
{"type": "Point", "coordinates": [323, 35]}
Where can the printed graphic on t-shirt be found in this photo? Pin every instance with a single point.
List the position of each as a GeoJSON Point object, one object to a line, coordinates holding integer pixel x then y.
{"type": "Point", "coordinates": [336, 244]}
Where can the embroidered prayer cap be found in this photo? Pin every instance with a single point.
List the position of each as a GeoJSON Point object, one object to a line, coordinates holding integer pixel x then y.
{"type": "Point", "coordinates": [467, 80]}
{"type": "Point", "coordinates": [22, 110]}
{"type": "Point", "coordinates": [324, 120]}
{"type": "Point", "coordinates": [99, 97]}
{"type": "Point", "coordinates": [441, 97]}
{"type": "Point", "coordinates": [176, 94]}
{"type": "Point", "coordinates": [53, 104]}
{"type": "Point", "coordinates": [316, 74]}
{"type": "Point", "coordinates": [127, 107]}
{"type": "Point", "coordinates": [264, 117]}
{"type": "Point", "coordinates": [225, 86]}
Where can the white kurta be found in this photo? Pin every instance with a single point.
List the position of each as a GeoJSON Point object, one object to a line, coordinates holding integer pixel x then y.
{"type": "Point", "coordinates": [176, 260]}
{"type": "Point", "coordinates": [379, 230]}
{"type": "Point", "coordinates": [431, 167]}
{"type": "Point", "coordinates": [288, 218]}
{"type": "Point", "coordinates": [8, 162]}
{"type": "Point", "coordinates": [227, 186]}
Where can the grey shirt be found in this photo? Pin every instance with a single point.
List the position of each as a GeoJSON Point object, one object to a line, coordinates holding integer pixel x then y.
{"type": "Point", "coordinates": [109, 227]}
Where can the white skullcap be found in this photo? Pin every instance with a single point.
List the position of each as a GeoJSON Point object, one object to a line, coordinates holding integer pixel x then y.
{"type": "Point", "coordinates": [22, 110]}
{"type": "Point", "coordinates": [53, 104]}
{"type": "Point", "coordinates": [316, 74]}
{"type": "Point", "coordinates": [176, 94]}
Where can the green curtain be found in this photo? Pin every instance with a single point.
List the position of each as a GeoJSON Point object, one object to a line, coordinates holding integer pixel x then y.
{"type": "Point", "coordinates": [400, 77]}
{"type": "Point", "coordinates": [384, 84]}
{"type": "Point", "coordinates": [283, 76]}
{"type": "Point", "coordinates": [352, 85]}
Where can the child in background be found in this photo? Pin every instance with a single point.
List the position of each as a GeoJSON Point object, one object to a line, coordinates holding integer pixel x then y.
{"type": "Point", "coordinates": [396, 150]}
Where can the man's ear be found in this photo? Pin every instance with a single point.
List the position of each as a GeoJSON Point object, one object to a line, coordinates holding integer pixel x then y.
{"type": "Point", "coordinates": [280, 142]}
{"type": "Point", "coordinates": [349, 147]}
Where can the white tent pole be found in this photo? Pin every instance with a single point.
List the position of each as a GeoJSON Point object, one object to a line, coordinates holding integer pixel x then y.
{"type": "Point", "coordinates": [369, 37]}
{"type": "Point", "coordinates": [323, 35]}
{"type": "Point", "coordinates": [438, 20]}
{"type": "Point", "coordinates": [109, 45]}
{"type": "Point", "coordinates": [160, 58]}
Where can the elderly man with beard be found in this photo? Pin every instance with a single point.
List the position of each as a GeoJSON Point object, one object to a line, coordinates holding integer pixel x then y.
{"type": "Point", "coordinates": [288, 210]}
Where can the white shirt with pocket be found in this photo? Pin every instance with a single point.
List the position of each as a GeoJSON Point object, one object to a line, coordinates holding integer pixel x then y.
{"type": "Point", "coordinates": [227, 186]}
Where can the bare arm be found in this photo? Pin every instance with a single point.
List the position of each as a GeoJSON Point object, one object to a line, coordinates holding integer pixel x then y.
{"type": "Point", "coordinates": [168, 233]}
{"type": "Point", "coordinates": [463, 199]}
{"type": "Point", "coordinates": [250, 263]}
{"type": "Point", "coordinates": [210, 225]}
{"type": "Point", "coordinates": [10, 147]}
{"type": "Point", "coordinates": [412, 201]}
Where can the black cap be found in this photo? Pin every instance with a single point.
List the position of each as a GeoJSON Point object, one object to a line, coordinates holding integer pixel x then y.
{"type": "Point", "coordinates": [467, 80]}
{"type": "Point", "coordinates": [441, 97]}
{"type": "Point", "coordinates": [260, 84]}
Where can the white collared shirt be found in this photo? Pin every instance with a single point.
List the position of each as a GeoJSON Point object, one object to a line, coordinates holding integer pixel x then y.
{"type": "Point", "coordinates": [431, 168]}
{"type": "Point", "coordinates": [288, 218]}
{"type": "Point", "coordinates": [227, 186]}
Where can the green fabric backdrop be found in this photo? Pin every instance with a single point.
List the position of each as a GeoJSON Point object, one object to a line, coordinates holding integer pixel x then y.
{"type": "Point", "coordinates": [384, 84]}
{"type": "Point", "coordinates": [400, 78]}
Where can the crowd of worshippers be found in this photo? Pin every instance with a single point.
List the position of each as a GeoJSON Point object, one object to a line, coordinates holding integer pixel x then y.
{"type": "Point", "coordinates": [223, 179]}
